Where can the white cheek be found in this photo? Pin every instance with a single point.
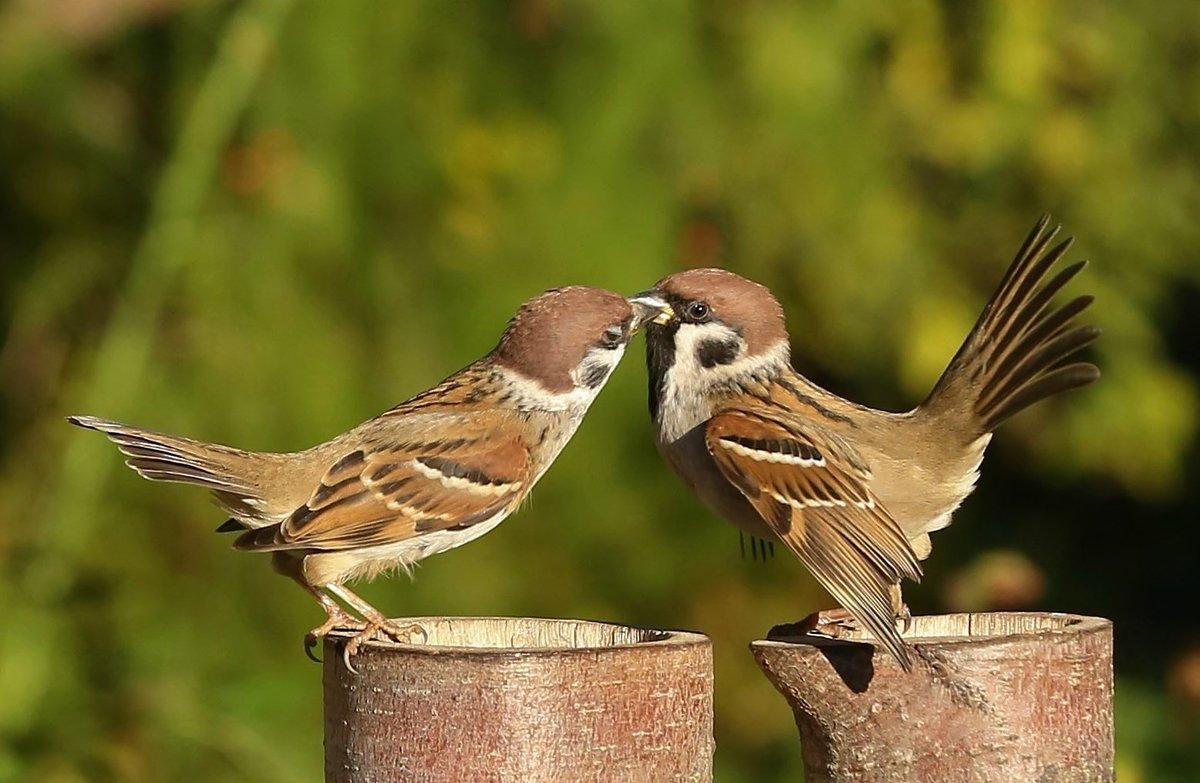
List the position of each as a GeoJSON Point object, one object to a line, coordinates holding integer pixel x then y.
{"type": "Point", "coordinates": [687, 394]}
{"type": "Point", "coordinates": [528, 394]}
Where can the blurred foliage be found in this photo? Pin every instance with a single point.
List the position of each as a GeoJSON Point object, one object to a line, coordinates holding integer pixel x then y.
{"type": "Point", "coordinates": [262, 222]}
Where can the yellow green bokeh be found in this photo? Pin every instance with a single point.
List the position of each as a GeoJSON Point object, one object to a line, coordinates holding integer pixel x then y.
{"type": "Point", "coordinates": [261, 222]}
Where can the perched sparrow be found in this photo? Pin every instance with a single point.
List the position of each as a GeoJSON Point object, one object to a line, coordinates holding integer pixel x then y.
{"type": "Point", "coordinates": [433, 473]}
{"type": "Point", "coordinates": [853, 492]}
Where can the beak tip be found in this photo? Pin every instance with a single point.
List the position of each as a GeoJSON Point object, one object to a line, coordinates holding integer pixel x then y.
{"type": "Point", "coordinates": [650, 307]}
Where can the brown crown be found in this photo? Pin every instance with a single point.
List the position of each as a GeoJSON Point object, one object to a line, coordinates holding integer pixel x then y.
{"type": "Point", "coordinates": [550, 334]}
{"type": "Point", "coordinates": [736, 301]}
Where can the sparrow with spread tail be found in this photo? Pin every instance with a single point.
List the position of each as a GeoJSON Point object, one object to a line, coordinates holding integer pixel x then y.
{"type": "Point", "coordinates": [430, 474]}
{"type": "Point", "coordinates": [852, 491]}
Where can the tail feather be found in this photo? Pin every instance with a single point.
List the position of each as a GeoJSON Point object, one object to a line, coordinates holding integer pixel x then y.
{"type": "Point", "coordinates": [160, 470]}
{"type": "Point", "coordinates": [1032, 317]}
{"type": "Point", "coordinates": [233, 526]}
{"type": "Point", "coordinates": [161, 457]}
{"type": "Point", "coordinates": [1049, 327]}
{"type": "Point", "coordinates": [1024, 368]}
{"type": "Point", "coordinates": [1018, 351]}
{"type": "Point", "coordinates": [1071, 376]}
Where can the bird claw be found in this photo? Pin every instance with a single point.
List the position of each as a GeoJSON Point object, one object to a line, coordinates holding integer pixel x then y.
{"type": "Point", "coordinates": [351, 647]}
{"type": "Point", "coordinates": [836, 624]}
{"type": "Point", "coordinates": [407, 631]}
{"type": "Point", "coordinates": [310, 644]}
{"type": "Point", "coordinates": [313, 637]}
{"type": "Point", "coordinates": [385, 631]}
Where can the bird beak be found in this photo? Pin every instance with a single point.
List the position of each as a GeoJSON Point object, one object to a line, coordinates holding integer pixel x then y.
{"type": "Point", "coordinates": [649, 307]}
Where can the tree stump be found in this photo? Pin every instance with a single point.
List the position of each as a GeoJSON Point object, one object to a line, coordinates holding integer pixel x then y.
{"type": "Point", "coordinates": [992, 697]}
{"type": "Point", "coordinates": [521, 699]}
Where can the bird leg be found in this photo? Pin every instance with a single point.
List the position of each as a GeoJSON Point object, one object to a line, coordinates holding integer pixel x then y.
{"type": "Point", "coordinates": [335, 615]}
{"type": "Point", "coordinates": [377, 626]}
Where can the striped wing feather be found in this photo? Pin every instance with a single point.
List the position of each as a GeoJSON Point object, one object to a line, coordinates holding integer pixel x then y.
{"type": "Point", "coordinates": [812, 490]}
{"type": "Point", "coordinates": [390, 492]}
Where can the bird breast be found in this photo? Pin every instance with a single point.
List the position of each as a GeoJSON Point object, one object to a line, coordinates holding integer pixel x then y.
{"type": "Point", "coordinates": [688, 456]}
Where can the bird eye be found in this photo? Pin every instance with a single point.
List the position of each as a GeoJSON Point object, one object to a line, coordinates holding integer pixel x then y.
{"type": "Point", "coordinates": [612, 337]}
{"type": "Point", "coordinates": [698, 312]}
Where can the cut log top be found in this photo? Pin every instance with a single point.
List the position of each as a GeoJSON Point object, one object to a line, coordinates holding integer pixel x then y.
{"type": "Point", "coordinates": [936, 633]}
{"type": "Point", "coordinates": [993, 697]}
{"type": "Point", "coordinates": [972, 627]}
{"type": "Point", "coordinates": [525, 635]}
{"type": "Point", "coordinates": [521, 699]}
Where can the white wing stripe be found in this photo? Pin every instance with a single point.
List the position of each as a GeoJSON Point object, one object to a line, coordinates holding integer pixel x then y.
{"type": "Point", "coordinates": [772, 456]}
{"type": "Point", "coordinates": [456, 482]}
{"type": "Point", "coordinates": [816, 503]}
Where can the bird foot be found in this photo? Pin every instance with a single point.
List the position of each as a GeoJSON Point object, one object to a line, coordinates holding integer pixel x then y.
{"type": "Point", "coordinates": [384, 631]}
{"type": "Point", "coordinates": [335, 621]}
{"type": "Point", "coordinates": [836, 624]}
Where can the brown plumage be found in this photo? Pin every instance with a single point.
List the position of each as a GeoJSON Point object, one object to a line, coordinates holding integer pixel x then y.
{"type": "Point", "coordinates": [853, 492]}
{"type": "Point", "coordinates": [428, 475]}
{"type": "Point", "coordinates": [1014, 356]}
{"type": "Point", "coordinates": [550, 334]}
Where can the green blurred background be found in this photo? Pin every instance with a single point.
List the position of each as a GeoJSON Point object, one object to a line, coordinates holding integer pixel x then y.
{"type": "Point", "coordinates": [262, 222]}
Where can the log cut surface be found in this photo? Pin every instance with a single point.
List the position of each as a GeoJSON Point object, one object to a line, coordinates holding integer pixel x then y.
{"type": "Point", "coordinates": [521, 699]}
{"type": "Point", "coordinates": [1005, 696]}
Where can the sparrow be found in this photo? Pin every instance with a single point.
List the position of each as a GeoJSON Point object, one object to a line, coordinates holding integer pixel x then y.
{"type": "Point", "coordinates": [852, 491]}
{"type": "Point", "coordinates": [431, 474]}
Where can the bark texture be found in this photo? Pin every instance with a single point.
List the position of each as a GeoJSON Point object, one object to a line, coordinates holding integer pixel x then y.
{"type": "Point", "coordinates": [520, 699]}
{"type": "Point", "coordinates": [1006, 697]}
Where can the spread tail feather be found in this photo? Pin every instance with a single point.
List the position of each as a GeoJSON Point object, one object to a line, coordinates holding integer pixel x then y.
{"type": "Point", "coordinates": [1018, 351]}
{"type": "Point", "coordinates": [161, 457]}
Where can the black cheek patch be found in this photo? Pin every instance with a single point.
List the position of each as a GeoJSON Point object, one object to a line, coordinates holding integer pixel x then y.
{"type": "Point", "coordinates": [594, 375]}
{"type": "Point", "coordinates": [714, 352]}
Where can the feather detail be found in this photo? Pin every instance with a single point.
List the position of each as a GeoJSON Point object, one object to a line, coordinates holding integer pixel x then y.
{"type": "Point", "coordinates": [161, 457]}
{"type": "Point", "coordinates": [819, 503]}
{"type": "Point", "coordinates": [1018, 351]}
{"type": "Point", "coordinates": [391, 492]}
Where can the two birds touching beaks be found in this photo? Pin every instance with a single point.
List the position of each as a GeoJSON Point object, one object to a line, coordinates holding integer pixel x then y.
{"type": "Point", "coordinates": [853, 492]}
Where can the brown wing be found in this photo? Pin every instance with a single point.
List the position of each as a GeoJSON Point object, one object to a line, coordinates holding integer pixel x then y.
{"type": "Point", "coordinates": [811, 488]}
{"type": "Point", "coordinates": [389, 492]}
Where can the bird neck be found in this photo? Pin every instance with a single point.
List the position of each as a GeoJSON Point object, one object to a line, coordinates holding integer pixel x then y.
{"type": "Point", "coordinates": [488, 384]}
{"type": "Point", "coordinates": [688, 395]}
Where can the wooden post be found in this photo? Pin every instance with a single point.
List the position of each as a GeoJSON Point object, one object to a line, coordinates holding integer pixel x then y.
{"type": "Point", "coordinates": [521, 699]}
{"type": "Point", "coordinates": [993, 697]}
